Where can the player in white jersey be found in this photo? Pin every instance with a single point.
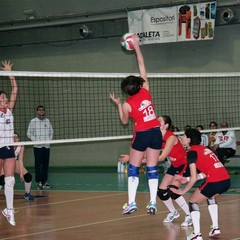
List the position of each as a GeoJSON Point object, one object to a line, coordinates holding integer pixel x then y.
{"type": "Point", "coordinates": [7, 156]}
{"type": "Point", "coordinates": [226, 144]}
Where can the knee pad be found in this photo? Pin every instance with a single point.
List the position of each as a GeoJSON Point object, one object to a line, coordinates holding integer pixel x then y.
{"type": "Point", "coordinates": [152, 172]}
{"type": "Point", "coordinates": [27, 177]}
{"type": "Point", "coordinates": [2, 182]}
{"type": "Point", "coordinates": [211, 201]}
{"type": "Point", "coordinates": [163, 194]}
{"type": "Point", "coordinates": [9, 181]}
{"type": "Point", "coordinates": [193, 207]}
{"type": "Point", "coordinates": [173, 195]}
{"type": "Point", "coordinates": [133, 171]}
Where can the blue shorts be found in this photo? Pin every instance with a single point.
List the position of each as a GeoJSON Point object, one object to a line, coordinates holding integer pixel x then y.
{"type": "Point", "coordinates": [151, 138]}
{"type": "Point", "coordinates": [7, 152]}
{"type": "Point", "coordinates": [212, 188]}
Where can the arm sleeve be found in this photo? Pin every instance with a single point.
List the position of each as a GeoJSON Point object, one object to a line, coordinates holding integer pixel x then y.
{"type": "Point", "coordinates": [192, 157]}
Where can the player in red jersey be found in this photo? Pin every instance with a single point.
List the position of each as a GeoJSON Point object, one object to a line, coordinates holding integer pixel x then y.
{"type": "Point", "coordinates": [172, 149]}
{"type": "Point", "coordinates": [217, 182]}
{"type": "Point", "coordinates": [147, 135]}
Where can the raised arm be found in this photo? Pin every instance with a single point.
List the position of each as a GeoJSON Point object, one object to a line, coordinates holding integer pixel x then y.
{"type": "Point", "coordinates": [7, 66]}
{"type": "Point", "coordinates": [140, 60]}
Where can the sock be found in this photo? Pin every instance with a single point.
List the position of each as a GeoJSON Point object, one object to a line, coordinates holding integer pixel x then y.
{"type": "Point", "coordinates": [9, 192]}
{"type": "Point", "coordinates": [213, 211]}
{"type": "Point", "coordinates": [195, 215]}
{"type": "Point", "coordinates": [27, 187]}
{"type": "Point", "coordinates": [153, 187]}
{"type": "Point", "coordinates": [132, 188]}
{"type": "Point", "coordinates": [169, 205]}
{"type": "Point", "coordinates": [183, 204]}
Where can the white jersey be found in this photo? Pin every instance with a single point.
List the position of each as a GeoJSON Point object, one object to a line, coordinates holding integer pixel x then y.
{"type": "Point", "coordinates": [40, 130]}
{"type": "Point", "coordinates": [227, 140]}
{"type": "Point", "coordinates": [6, 127]}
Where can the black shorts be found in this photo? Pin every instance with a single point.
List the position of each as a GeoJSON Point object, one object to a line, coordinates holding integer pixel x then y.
{"type": "Point", "coordinates": [7, 152]}
{"type": "Point", "coordinates": [212, 188]}
{"type": "Point", "coordinates": [151, 138]}
{"type": "Point", "coordinates": [177, 170]}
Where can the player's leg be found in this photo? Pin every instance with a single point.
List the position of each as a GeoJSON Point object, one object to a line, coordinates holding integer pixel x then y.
{"type": "Point", "coordinates": [135, 159]}
{"type": "Point", "coordinates": [164, 196]}
{"type": "Point", "coordinates": [194, 201]}
{"type": "Point", "coordinates": [9, 170]}
{"type": "Point", "coordinates": [180, 200]}
{"type": "Point", "coordinates": [213, 211]}
{"type": "Point", "coordinates": [153, 176]}
{"type": "Point", "coordinates": [27, 179]}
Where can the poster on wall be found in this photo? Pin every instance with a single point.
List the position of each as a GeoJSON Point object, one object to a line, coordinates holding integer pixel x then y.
{"type": "Point", "coordinates": [196, 21]}
{"type": "Point", "coordinates": [188, 22]}
{"type": "Point", "coordinates": [156, 25]}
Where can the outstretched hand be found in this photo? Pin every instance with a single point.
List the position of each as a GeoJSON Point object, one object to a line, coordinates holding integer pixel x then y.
{"type": "Point", "coordinates": [6, 66]}
{"type": "Point", "coordinates": [123, 158]}
{"type": "Point", "coordinates": [116, 100]}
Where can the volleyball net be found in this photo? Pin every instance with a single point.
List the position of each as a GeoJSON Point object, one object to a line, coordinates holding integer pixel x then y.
{"type": "Point", "coordinates": [79, 108]}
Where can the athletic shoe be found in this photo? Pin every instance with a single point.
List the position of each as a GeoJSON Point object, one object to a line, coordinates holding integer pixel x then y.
{"type": "Point", "coordinates": [215, 231]}
{"type": "Point", "coordinates": [171, 216]}
{"type": "Point", "coordinates": [194, 236]}
{"type": "Point", "coordinates": [151, 208]}
{"type": "Point", "coordinates": [129, 208]}
{"type": "Point", "coordinates": [28, 197]}
{"type": "Point", "coordinates": [39, 186]}
{"type": "Point", "coordinates": [46, 186]}
{"type": "Point", "coordinates": [9, 215]}
{"type": "Point", "coordinates": [187, 221]}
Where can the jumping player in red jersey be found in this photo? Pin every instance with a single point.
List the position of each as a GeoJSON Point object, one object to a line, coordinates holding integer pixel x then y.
{"type": "Point", "coordinates": [217, 182]}
{"type": "Point", "coordinates": [147, 135]}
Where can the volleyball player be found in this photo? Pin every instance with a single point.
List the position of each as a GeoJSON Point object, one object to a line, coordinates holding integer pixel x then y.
{"type": "Point", "coordinates": [147, 135]}
{"type": "Point", "coordinates": [7, 156]}
{"type": "Point", "coordinates": [217, 182]}
{"type": "Point", "coordinates": [174, 151]}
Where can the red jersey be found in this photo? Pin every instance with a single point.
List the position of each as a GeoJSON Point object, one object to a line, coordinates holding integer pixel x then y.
{"type": "Point", "coordinates": [142, 112]}
{"type": "Point", "coordinates": [178, 155]}
{"type": "Point", "coordinates": [208, 163]}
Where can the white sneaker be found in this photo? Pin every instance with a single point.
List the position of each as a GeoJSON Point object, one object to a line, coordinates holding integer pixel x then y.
{"type": "Point", "coordinates": [215, 231]}
{"type": "Point", "coordinates": [9, 214]}
{"type": "Point", "coordinates": [171, 216]}
{"type": "Point", "coordinates": [194, 236]}
{"type": "Point", "coordinates": [187, 222]}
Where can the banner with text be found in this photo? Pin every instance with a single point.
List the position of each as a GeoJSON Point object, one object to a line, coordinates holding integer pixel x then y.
{"type": "Point", "coordinates": [174, 24]}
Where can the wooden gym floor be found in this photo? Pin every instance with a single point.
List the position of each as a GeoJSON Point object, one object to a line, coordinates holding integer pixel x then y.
{"type": "Point", "coordinates": [87, 205]}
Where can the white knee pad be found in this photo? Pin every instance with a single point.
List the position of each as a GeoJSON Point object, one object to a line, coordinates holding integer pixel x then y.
{"type": "Point", "coordinates": [9, 181]}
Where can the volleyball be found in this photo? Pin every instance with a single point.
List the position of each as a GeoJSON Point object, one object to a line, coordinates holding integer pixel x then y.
{"type": "Point", "coordinates": [127, 41]}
